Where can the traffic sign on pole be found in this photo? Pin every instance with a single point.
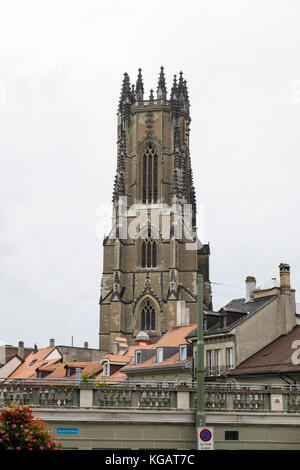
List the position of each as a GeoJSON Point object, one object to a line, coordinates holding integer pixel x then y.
{"type": "Point", "coordinates": [205, 438]}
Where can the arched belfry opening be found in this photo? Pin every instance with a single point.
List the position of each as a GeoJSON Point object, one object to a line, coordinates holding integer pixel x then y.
{"type": "Point", "coordinates": [150, 174]}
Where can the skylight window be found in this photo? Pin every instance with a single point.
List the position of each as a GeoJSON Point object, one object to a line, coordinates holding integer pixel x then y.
{"type": "Point", "coordinates": [33, 362]}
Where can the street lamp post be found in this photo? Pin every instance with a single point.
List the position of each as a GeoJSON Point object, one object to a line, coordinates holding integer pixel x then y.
{"type": "Point", "coordinates": [200, 413]}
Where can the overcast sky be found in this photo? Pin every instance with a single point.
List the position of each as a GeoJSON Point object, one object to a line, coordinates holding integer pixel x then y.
{"type": "Point", "coordinates": [61, 67]}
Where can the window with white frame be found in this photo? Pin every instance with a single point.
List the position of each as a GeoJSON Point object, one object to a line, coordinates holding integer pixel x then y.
{"type": "Point", "coordinates": [217, 361]}
{"type": "Point", "coordinates": [209, 362]}
{"type": "Point", "coordinates": [182, 352]}
{"type": "Point", "coordinates": [159, 355]}
{"type": "Point", "coordinates": [138, 357]}
{"type": "Point", "coordinates": [106, 369]}
{"type": "Point", "coordinates": [229, 358]}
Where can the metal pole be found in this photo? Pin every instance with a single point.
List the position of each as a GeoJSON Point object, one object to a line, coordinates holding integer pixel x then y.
{"type": "Point", "coordinates": [200, 414]}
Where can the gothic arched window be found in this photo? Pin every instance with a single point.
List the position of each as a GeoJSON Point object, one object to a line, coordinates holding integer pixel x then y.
{"type": "Point", "coordinates": [149, 183]}
{"type": "Point", "coordinates": [148, 316]}
{"type": "Point", "coordinates": [148, 253]}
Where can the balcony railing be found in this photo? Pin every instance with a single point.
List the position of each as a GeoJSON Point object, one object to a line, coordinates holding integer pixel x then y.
{"type": "Point", "coordinates": [230, 397]}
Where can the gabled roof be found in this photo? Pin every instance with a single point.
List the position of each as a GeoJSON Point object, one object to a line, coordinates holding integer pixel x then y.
{"type": "Point", "coordinates": [28, 367]}
{"type": "Point", "coordinates": [276, 357]}
{"type": "Point", "coordinates": [238, 306]}
{"type": "Point", "coordinates": [58, 371]}
{"type": "Point", "coordinates": [175, 336]}
{"type": "Point", "coordinates": [241, 306]}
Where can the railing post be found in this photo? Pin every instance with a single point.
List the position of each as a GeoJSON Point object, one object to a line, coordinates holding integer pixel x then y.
{"type": "Point", "coordinates": [229, 400]}
{"type": "Point", "coordinates": [36, 396]}
{"type": "Point", "coordinates": [134, 399]}
{"type": "Point", "coordinates": [85, 397]}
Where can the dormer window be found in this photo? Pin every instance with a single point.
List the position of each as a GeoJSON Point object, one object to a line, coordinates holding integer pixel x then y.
{"type": "Point", "coordinates": [138, 357]}
{"type": "Point", "coordinates": [159, 355]}
{"type": "Point", "coordinates": [106, 369]}
{"type": "Point", "coordinates": [182, 352]}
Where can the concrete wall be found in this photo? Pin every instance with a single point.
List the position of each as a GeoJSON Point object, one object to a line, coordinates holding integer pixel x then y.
{"type": "Point", "coordinates": [155, 429]}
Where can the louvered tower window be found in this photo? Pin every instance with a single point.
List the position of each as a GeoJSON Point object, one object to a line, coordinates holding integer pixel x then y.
{"type": "Point", "coordinates": [148, 316]}
{"type": "Point", "coordinates": [150, 170]}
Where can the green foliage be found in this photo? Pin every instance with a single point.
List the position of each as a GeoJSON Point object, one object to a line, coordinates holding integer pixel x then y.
{"type": "Point", "coordinates": [19, 430]}
{"type": "Point", "coordinates": [85, 377]}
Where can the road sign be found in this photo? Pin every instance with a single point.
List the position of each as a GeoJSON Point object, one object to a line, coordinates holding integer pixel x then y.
{"type": "Point", "coordinates": [67, 430]}
{"type": "Point", "coordinates": [205, 438]}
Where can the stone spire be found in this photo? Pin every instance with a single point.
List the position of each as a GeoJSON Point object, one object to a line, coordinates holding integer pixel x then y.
{"type": "Point", "coordinates": [126, 96]}
{"type": "Point", "coordinates": [119, 183]}
{"type": "Point", "coordinates": [174, 101]}
{"type": "Point", "coordinates": [161, 87]}
{"type": "Point", "coordinates": [151, 97]}
{"type": "Point", "coordinates": [139, 88]}
{"type": "Point", "coordinates": [186, 95]}
{"type": "Point", "coordinates": [180, 90]}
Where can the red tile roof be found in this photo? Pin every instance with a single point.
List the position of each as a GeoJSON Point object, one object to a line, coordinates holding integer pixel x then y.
{"type": "Point", "coordinates": [28, 368]}
{"type": "Point", "coordinates": [175, 336]}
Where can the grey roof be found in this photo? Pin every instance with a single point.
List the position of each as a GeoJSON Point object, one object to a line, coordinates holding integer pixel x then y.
{"type": "Point", "coordinates": [240, 306]}
{"type": "Point", "coordinates": [246, 309]}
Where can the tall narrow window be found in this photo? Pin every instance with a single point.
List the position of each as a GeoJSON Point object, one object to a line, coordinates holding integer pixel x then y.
{"type": "Point", "coordinates": [229, 358]}
{"type": "Point", "coordinates": [148, 316]}
{"type": "Point", "coordinates": [144, 179]}
{"type": "Point", "coordinates": [150, 175]}
{"type": "Point", "coordinates": [149, 253]}
{"type": "Point", "coordinates": [143, 255]}
{"type": "Point", "coordinates": [209, 362]}
{"type": "Point", "coordinates": [143, 318]}
{"type": "Point", "coordinates": [217, 361]}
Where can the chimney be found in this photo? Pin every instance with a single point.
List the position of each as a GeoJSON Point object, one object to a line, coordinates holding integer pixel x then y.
{"type": "Point", "coordinates": [86, 345]}
{"type": "Point", "coordinates": [52, 343]}
{"type": "Point", "coordinates": [250, 287]}
{"type": "Point", "coordinates": [285, 282]}
{"type": "Point", "coordinates": [21, 349]}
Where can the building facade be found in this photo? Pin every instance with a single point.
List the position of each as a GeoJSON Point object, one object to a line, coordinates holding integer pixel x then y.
{"type": "Point", "coordinates": [246, 325]}
{"type": "Point", "coordinates": [152, 255]}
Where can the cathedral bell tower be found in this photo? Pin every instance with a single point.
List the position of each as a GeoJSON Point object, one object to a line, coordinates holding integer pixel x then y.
{"type": "Point", "coordinates": [152, 254]}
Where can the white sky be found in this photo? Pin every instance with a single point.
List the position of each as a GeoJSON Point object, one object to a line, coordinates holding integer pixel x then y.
{"type": "Point", "coordinates": [61, 67]}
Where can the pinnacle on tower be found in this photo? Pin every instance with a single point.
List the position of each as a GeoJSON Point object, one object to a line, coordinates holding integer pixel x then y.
{"type": "Point", "coordinates": [180, 89]}
{"type": "Point", "coordinates": [139, 88]}
{"type": "Point", "coordinates": [132, 94]}
{"type": "Point", "coordinates": [151, 97]}
{"type": "Point", "coordinates": [161, 87]}
{"type": "Point", "coordinates": [186, 94]}
{"type": "Point", "coordinates": [174, 101]}
{"type": "Point", "coordinates": [125, 98]}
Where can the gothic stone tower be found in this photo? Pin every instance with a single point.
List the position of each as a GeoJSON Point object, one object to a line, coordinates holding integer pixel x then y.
{"type": "Point", "coordinates": [151, 257]}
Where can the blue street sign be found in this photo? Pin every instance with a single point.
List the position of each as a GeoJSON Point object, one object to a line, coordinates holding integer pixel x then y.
{"type": "Point", "coordinates": [67, 430]}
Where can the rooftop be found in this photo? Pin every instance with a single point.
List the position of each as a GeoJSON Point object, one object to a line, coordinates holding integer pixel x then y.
{"type": "Point", "coordinates": [276, 357]}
